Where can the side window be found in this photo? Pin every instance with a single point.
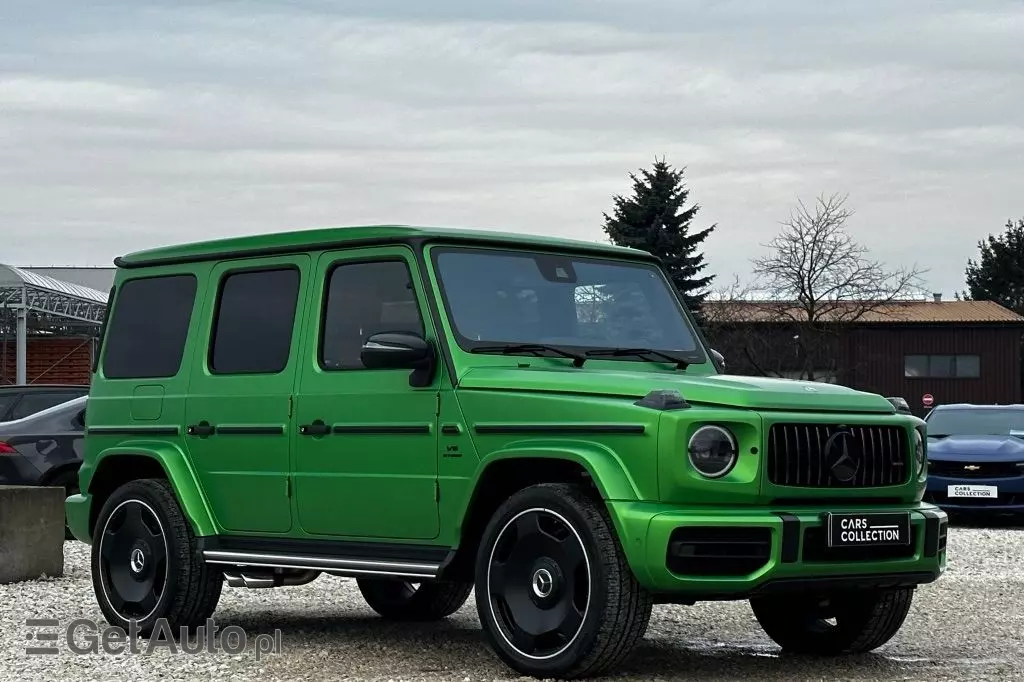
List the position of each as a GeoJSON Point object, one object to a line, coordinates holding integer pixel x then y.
{"type": "Point", "coordinates": [37, 402]}
{"type": "Point", "coordinates": [255, 315]}
{"type": "Point", "coordinates": [145, 338]}
{"type": "Point", "coordinates": [5, 404]}
{"type": "Point", "coordinates": [364, 299]}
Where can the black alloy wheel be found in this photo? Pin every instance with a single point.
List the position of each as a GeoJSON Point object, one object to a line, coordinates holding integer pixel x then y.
{"type": "Point", "coordinates": [539, 583]}
{"type": "Point", "coordinates": [399, 599]}
{"type": "Point", "coordinates": [840, 624]}
{"type": "Point", "coordinates": [146, 563]}
{"type": "Point", "coordinates": [554, 593]}
{"type": "Point", "coordinates": [134, 548]}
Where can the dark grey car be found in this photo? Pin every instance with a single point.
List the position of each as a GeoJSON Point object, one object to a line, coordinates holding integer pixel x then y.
{"type": "Point", "coordinates": [45, 448]}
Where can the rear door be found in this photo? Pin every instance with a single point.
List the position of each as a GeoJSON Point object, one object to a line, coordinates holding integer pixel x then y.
{"type": "Point", "coordinates": [238, 410]}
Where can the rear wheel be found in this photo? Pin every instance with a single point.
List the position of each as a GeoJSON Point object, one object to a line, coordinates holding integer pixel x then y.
{"type": "Point", "coordinates": [846, 623]}
{"type": "Point", "coordinates": [145, 563]}
{"type": "Point", "coordinates": [399, 599]}
{"type": "Point", "coordinates": [554, 593]}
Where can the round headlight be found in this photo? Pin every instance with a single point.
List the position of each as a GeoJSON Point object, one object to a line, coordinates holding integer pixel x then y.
{"type": "Point", "coordinates": [712, 451]}
{"type": "Point", "coordinates": [919, 451]}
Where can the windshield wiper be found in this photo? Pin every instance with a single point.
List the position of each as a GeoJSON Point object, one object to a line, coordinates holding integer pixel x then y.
{"type": "Point", "coordinates": [642, 353]}
{"type": "Point", "coordinates": [535, 348]}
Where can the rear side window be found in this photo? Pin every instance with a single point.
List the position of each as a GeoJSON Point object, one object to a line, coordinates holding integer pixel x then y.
{"type": "Point", "coordinates": [252, 331]}
{"type": "Point", "coordinates": [148, 327]}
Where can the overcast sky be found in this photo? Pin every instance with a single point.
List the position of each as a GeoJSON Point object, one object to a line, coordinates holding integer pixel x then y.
{"type": "Point", "coordinates": [127, 124]}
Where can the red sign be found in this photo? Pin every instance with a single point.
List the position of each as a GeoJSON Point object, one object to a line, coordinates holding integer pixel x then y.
{"type": "Point", "coordinates": [927, 400]}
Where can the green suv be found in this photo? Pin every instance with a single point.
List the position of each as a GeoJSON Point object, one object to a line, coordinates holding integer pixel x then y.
{"type": "Point", "coordinates": [433, 412]}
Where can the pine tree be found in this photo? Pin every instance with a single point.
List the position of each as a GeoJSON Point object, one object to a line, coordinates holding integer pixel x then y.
{"type": "Point", "coordinates": [654, 219]}
{"type": "Point", "coordinates": [998, 274]}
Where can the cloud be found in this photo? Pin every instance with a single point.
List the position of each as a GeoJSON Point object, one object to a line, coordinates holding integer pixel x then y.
{"type": "Point", "coordinates": [124, 125]}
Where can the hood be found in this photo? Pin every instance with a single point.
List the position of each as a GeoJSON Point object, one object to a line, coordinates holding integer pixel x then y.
{"type": "Point", "coordinates": [989, 448]}
{"type": "Point", "coordinates": [712, 389]}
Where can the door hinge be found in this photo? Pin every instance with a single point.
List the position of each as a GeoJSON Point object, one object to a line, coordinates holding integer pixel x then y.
{"type": "Point", "coordinates": [291, 401]}
{"type": "Point", "coordinates": [437, 405]}
{"type": "Point", "coordinates": [437, 491]}
{"type": "Point", "coordinates": [288, 487]}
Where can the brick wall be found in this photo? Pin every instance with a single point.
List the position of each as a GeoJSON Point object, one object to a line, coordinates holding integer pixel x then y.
{"type": "Point", "coordinates": [50, 361]}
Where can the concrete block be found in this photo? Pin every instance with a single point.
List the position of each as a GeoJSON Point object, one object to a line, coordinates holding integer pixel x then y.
{"type": "Point", "coordinates": [31, 532]}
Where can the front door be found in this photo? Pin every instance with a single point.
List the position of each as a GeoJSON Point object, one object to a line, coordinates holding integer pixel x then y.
{"type": "Point", "coordinates": [366, 456]}
{"type": "Point", "coordinates": [239, 401]}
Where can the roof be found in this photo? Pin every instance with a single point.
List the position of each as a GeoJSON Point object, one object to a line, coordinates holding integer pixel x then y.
{"type": "Point", "coordinates": [335, 237]}
{"type": "Point", "coordinates": [100, 278]}
{"type": "Point", "coordinates": [50, 296]}
{"type": "Point", "coordinates": [896, 312]}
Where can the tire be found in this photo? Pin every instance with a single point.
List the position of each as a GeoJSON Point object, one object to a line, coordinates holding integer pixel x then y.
{"type": "Point", "coordinates": [552, 549]}
{"type": "Point", "coordinates": [397, 599]}
{"type": "Point", "coordinates": [863, 621]}
{"type": "Point", "coordinates": [146, 564]}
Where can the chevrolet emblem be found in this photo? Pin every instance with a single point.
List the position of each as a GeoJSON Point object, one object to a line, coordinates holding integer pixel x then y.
{"type": "Point", "coordinates": [971, 467]}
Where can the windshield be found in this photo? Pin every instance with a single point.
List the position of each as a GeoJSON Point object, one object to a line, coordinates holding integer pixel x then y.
{"type": "Point", "coordinates": [574, 302]}
{"type": "Point", "coordinates": [988, 421]}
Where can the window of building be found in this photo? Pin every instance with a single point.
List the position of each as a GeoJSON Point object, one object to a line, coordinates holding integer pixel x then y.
{"type": "Point", "coordinates": [364, 299]}
{"type": "Point", "coordinates": [148, 326]}
{"type": "Point", "coordinates": [252, 331]}
{"type": "Point", "coordinates": [942, 366]}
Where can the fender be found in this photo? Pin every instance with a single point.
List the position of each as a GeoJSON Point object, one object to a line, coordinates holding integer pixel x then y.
{"type": "Point", "coordinates": [602, 463]}
{"type": "Point", "coordinates": [176, 466]}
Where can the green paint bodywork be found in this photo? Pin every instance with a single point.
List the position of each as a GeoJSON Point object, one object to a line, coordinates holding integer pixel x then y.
{"type": "Point", "coordinates": [418, 488]}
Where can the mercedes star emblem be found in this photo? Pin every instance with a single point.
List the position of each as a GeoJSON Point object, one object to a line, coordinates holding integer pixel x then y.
{"type": "Point", "coordinates": [837, 455]}
{"type": "Point", "coordinates": [138, 560]}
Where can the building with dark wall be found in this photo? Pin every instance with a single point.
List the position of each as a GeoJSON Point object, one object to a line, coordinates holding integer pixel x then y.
{"type": "Point", "coordinates": [956, 351]}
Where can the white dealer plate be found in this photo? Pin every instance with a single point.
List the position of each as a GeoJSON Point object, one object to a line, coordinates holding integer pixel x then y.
{"type": "Point", "coordinates": [972, 491]}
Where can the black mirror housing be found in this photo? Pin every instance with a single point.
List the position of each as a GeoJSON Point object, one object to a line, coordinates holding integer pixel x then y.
{"type": "Point", "coordinates": [400, 350]}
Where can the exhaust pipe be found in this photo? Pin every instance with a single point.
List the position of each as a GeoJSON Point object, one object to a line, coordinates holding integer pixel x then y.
{"type": "Point", "coordinates": [265, 580]}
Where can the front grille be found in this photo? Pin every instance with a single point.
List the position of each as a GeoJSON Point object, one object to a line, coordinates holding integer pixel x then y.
{"type": "Point", "coordinates": [975, 469]}
{"type": "Point", "coordinates": [718, 550]}
{"type": "Point", "coordinates": [807, 456]}
{"type": "Point", "coordinates": [816, 549]}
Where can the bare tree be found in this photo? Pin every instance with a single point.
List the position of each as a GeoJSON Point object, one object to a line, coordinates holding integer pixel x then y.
{"type": "Point", "coordinates": [815, 278]}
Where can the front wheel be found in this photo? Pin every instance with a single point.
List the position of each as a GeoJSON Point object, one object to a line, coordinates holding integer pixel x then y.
{"type": "Point", "coordinates": [554, 593]}
{"type": "Point", "coordinates": [847, 623]}
{"type": "Point", "coordinates": [145, 563]}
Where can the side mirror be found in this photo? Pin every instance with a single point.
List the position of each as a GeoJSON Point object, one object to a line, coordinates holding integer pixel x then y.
{"type": "Point", "coordinates": [400, 350]}
{"type": "Point", "coordinates": [719, 358]}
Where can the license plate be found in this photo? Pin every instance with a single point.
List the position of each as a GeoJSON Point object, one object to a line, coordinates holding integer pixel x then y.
{"type": "Point", "coordinates": [972, 491]}
{"type": "Point", "coordinates": [868, 529]}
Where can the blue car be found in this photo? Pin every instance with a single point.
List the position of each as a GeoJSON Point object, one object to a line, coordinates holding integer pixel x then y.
{"type": "Point", "coordinates": [976, 458]}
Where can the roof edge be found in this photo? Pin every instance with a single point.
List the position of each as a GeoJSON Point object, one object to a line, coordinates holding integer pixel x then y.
{"type": "Point", "coordinates": [280, 243]}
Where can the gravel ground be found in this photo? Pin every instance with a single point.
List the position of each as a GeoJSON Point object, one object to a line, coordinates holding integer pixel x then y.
{"type": "Point", "coordinates": [968, 625]}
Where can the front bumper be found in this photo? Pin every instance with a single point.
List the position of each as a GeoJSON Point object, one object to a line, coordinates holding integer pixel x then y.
{"type": "Point", "coordinates": [1009, 494]}
{"type": "Point", "coordinates": [761, 551]}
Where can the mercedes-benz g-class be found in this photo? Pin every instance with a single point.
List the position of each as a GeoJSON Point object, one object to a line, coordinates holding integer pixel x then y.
{"type": "Point", "coordinates": [431, 411]}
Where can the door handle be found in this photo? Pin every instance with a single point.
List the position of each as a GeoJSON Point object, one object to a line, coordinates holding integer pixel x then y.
{"type": "Point", "coordinates": [203, 428]}
{"type": "Point", "coordinates": [317, 428]}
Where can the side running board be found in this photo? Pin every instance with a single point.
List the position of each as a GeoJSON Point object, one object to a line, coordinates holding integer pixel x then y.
{"type": "Point", "coordinates": [337, 566]}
